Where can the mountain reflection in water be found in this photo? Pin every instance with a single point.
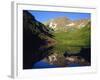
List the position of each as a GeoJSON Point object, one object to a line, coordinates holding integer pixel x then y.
{"type": "Point", "coordinates": [42, 64]}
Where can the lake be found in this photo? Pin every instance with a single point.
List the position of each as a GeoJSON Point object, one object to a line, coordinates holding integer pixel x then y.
{"type": "Point", "coordinates": [42, 64]}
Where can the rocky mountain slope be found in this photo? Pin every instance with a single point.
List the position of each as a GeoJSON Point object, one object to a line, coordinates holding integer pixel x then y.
{"type": "Point", "coordinates": [64, 23]}
{"type": "Point", "coordinates": [36, 40]}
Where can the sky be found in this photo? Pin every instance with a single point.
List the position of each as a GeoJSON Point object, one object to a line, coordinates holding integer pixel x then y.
{"type": "Point", "coordinates": [44, 16]}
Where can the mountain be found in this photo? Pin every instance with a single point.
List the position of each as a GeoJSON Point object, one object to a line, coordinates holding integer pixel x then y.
{"type": "Point", "coordinates": [64, 23]}
{"type": "Point", "coordinates": [40, 40]}
{"type": "Point", "coordinates": [81, 23]}
{"type": "Point", "coordinates": [36, 40]}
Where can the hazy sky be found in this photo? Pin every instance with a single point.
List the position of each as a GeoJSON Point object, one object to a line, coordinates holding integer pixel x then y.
{"type": "Point", "coordinates": [43, 16]}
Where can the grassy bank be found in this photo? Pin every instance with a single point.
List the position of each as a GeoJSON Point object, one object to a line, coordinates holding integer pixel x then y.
{"type": "Point", "coordinates": [72, 41]}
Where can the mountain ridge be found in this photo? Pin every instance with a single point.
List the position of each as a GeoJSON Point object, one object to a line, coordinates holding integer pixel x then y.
{"type": "Point", "coordinates": [64, 23]}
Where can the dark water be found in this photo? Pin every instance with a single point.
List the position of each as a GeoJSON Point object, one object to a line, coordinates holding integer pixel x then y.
{"type": "Point", "coordinates": [42, 64]}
